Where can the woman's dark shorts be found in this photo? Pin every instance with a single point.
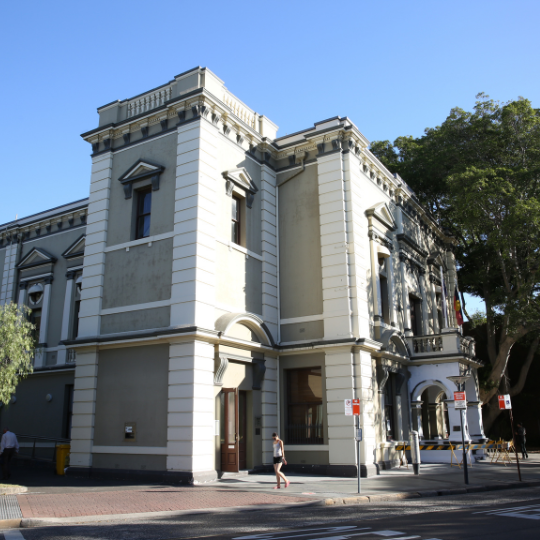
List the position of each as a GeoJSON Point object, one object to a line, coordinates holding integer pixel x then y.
{"type": "Point", "coordinates": [278, 459]}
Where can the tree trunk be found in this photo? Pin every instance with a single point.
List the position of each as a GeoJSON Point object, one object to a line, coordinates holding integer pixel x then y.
{"type": "Point", "coordinates": [490, 412]}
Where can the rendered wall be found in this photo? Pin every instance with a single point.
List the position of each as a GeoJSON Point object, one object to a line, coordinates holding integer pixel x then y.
{"type": "Point", "coordinates": [132, 387]}
{"type": "Point", "coordinates": [300, 246]}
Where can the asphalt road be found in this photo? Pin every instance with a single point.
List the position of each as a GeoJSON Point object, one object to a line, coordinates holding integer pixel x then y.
{"type": "Point", "coordinates": [500, 514]}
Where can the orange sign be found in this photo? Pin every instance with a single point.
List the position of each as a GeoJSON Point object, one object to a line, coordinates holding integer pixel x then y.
{"type": "Point", "coordinates": [356, 407]}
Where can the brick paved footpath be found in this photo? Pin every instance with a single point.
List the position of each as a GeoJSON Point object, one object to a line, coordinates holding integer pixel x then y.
{"type": "Point", "coordinates": [144, 500]}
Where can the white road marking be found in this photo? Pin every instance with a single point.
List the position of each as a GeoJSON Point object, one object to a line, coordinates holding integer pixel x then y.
{"type": "Point", "coordinates": [12, 534]}
{"type": "Point", "coordinates": [328, 533]}
{"type": "Point", "coordinates": [524, 512]}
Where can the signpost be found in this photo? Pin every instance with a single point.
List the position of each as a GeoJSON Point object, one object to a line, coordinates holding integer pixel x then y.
{"type": "Point", "coordinates": [505, 403]}
{"type": "Point", "coordinates": [352, 408]}
{"type": "Point", "coordinates": [460, 403]}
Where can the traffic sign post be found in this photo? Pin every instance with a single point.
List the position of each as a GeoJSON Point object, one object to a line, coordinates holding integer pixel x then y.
{"type": "Point", "coordinates": [352, 408]}
{"type": "Point", "coordinates": [505, 403]}
{"type": "Point", "coordinates": [460, 403]}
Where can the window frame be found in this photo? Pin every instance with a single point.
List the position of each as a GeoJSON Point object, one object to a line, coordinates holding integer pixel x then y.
{"type": "Point", "coordinates": [140, 214]}
{"type": "Point", "coordinates": [236, 222]}
{"type": "Point", "coordinates": [317, 428]}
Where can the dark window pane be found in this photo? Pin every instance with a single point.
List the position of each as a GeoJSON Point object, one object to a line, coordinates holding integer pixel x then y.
{"type": "Point", "coordinates": [304, 406]}
{"type": "Point", "coordinates": [147, 202]}
{"type": "Point", "coordinates": [146, 226]}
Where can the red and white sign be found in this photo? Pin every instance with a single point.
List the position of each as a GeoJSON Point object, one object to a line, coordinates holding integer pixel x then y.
{"type": "Point", "coordinates": [460, 400]}
{"type": "Point", "coordinates": [356, 407]}
{"type": "Point", "coordinates": [348, 407]}
{"type": "Point", "coordinates": [504, 402]}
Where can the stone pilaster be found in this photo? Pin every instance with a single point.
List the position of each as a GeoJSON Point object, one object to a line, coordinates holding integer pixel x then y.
{"type": "Point", "coordinates": [84, 408]}
{"type": "Point", "coordinates": [334, 242]}
{"type": "Point", "coordinates": [45, 311]}
{"type": "Point", "coordinates": [425, 310]}
{"type": "Point", "coordinates": [9, 272]}
{"type": "Point", "coordinates": [269, 250]}
{"type": "Point", "coordinates": [434, 311]}
{"type": "Point", "coordinates": [269, 399]}
{"type": "Point", "coordinates": [66, 315]}
{"type": "Point", "coordinates": [406, 307]}
{"type": "Point", "coordinates": [194, 248]}
{"type": "Point", "coordinates": [95, 243]}
{"type": "Point", "coordinates": [191, 410]}
{"type": "Point", "coordinates": [22, 293]}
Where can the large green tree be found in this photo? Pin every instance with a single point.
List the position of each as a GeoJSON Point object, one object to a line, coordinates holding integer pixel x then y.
{"type": "Point", "coordinates": [16, 348]}
{"type": "Point", "coordinates": [479, 174]}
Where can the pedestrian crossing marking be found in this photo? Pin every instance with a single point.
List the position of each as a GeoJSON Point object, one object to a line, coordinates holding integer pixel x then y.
{"type": "Point", "coordinates": [329, 533]}
{"type": "Point", "coordinates": [524, 512]}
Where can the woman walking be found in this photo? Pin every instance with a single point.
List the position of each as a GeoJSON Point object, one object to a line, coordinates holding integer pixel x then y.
{"type": "Point", "coordinates": [279, 460]}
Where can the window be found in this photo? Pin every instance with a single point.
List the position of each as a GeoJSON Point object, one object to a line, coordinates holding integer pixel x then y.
{"type": "Point", "coordinates": [144, 204]}
{"type": "Point", "coordinates": [235, 220]}
{"type": "Point", "coordinates": [304, 406]}
{"type": "Point", "coordinates": [440, 311]}
{"type": "Point", "coordinates": [389, 407]}
{"type": "Point", "coordinates": [385, 308]}
{"type": "Point", "coordinates": [35, 319]}
{"type": "Point", "coordinates": [416, 315]}
{"type": "Point", "coordinates": [76, 309]}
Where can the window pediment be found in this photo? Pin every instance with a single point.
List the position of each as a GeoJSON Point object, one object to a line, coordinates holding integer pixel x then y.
{"type": "Point", "coordinates": [382, 213]}
{"type": "Point", "coordinates": [142, 170]}
{"type": "Point", "coordinates": [76, 249]}
{"type": "Point", "coordinates": [36, 257]}
{"type": "Point", "coordinates": [241, 179]}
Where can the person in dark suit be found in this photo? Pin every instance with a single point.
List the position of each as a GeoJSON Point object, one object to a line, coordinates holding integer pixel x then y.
{"type": "Point", "coordinates": [521, 440]}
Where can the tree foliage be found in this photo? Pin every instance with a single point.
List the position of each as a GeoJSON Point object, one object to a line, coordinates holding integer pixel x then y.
{"type": "Point", "coordinates": [16, 348]}
{"type": "Point", "coordinates": [479, 174]}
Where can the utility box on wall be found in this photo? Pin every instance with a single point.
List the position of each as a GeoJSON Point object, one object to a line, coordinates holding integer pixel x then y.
{"type": "Point", "coordinates": [130, 431]}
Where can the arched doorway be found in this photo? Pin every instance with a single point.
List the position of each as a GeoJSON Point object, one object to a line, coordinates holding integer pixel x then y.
{"type": "Point", "coordinates": [434, 413]}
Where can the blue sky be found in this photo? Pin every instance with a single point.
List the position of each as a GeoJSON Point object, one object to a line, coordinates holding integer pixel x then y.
{"type": "Point", "coordinates": [393, 67]}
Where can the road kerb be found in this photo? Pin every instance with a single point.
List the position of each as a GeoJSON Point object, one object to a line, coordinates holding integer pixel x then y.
{"type": "Point", "coordinates": [10, 523]}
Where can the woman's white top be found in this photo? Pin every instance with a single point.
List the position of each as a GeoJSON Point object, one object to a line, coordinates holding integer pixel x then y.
{"type": "Point", "coordinates": [277, 449]}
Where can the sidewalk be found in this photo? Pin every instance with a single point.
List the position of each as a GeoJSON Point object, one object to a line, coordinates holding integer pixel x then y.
{"type": "Point", "coordinates": [67, 500]}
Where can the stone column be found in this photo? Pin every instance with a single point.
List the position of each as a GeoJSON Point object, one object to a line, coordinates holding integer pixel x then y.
{"type": "Point", "coordinates": [434, 311]}
{"type": "Point", "coordinates": [375, 278]}
{"type": "Point", "coordinates": [425, 310]}
{"type": "Point", "coordinates": [191, 411]}
{"type": "Point", "coordinates": [22, 293]}
{"type": "Point", "coordinates": [84, 408]}
{"type": "Point", "coordinates": [455, 423]}
{"type": "Point", "coordinates": [474, 419]}
{"type": "Point", "coordinates": [416, 407]}
{"type": "Point", "coordinates": [45, 309]}
{"type": "Point", "coordinates": [66, 316]}
{"type": "Point", "coordinates": [391, 293]}
{"type": "Point", "coordinates": [405, 295]}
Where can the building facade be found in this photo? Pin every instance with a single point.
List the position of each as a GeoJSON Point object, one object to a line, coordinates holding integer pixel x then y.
{"type": "Point", "coordinates": [221, 283]}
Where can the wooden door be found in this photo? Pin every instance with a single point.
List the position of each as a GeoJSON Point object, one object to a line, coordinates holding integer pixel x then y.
{"type": "Point", "coordinates": [229, 442]}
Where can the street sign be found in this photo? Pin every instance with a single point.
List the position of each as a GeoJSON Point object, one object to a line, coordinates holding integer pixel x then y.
{"type": "Point", "coordinates": [460, 400]}
{"type": "Point", "coordinates": [359, 434]}
{"type": "Point", "coordinates": [348, 407]}
{"type": "Point", "coordinates": [506, 401]}
{"type": "Point", "coordinates": [502, 405]}
{"type": "Point", "coordinates": [356, 407]}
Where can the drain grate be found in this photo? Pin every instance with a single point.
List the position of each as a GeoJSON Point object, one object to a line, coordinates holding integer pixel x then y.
{"type": "Point", "coordinates": [9, 507]}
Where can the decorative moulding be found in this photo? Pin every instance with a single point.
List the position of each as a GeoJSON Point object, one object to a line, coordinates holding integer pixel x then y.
{"type": "Point", "coordinates": [241, 179]}
{"type": "Point", "coordinates": [36, 257]}
{"type": "Point", "coordinates": [76, 249]}
{"type": "Point", "coordinates": [142, 170]}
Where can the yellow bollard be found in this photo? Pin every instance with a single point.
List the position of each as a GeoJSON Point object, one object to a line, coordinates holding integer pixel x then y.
{"type": "Point", "coordinates": [62, 453]}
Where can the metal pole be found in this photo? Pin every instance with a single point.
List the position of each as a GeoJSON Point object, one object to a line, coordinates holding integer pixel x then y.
{"type": "Point", "coordinates": [515, 447]}
{"type": "Point", "coordinates": [465, 469]}
{"type": "Point", "coordinates": [358, 449]}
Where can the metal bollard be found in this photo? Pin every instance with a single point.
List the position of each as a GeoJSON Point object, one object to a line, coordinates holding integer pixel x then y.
{"type": "Point", "coordinates": [415, 451]}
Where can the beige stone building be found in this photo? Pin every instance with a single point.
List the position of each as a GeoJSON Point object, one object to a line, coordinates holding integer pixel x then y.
{"type": "Point", "coordinates": [221, 283]}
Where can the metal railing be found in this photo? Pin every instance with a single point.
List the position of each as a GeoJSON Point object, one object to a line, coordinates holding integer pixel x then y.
{"type": "Point", "coordinates": [304, 434]}
{"type": "Point", "coordinates": [42, 448]}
